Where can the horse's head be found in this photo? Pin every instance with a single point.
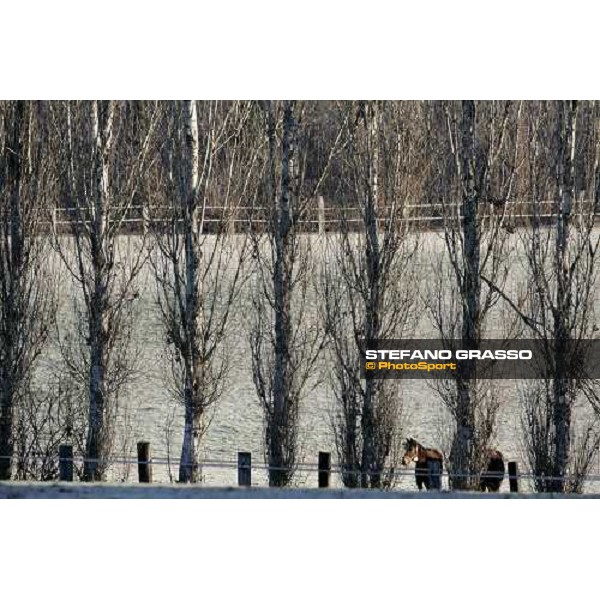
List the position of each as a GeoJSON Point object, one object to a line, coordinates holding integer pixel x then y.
{"type": "Point", "coordinates": [411, 451]}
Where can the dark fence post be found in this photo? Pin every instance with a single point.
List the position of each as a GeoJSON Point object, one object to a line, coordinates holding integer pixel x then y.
{"type": "Point", "coordinates": [244, 468]}
{"type": "Point", "coordinates": [144, 465]}
{"type": "Point", "coordinates": [65, 462]}
{"type": "Point", "coordinates": [513, 476]}
{"type": "Point", "coordinates": [434, 474]}
{"type": "Point", "coordinates": [324, 469]}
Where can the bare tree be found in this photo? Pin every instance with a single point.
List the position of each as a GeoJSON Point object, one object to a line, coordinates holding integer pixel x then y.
{"type": "Point", "coordinates": [560, 245]}
{"type": "Point", "coordinates": [207, 164]}
{"type": "Point", "coordinates": [285, 340]}
{"type": "Point", "coordinates": [369, 285]}
{"type": "Point", "coordinates": [475, 189]}
{"type": "Point", "coordinates": [50, 415]}
{"type": "Point", "coordinates": [26, 294]}
{"type": "Point", "coordinates": [103, 150]}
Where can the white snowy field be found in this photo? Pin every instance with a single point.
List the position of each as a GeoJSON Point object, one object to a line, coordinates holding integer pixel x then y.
{"type": "Point", "coordinates": [151, 413]}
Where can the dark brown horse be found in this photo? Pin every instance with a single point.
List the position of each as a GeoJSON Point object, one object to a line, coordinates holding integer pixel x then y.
{"type": "Point", "coordinates": [491, 478]}
{"type": "Point", "coordinates": [428, 464]}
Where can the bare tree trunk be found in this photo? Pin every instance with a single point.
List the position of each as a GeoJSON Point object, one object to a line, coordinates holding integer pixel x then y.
{"type": "Point", "coordinates": [12, 254]}
{"type": "Point", "coordinates": [281, 273]}
{"type": "Point", "coordinates": [471, 289]}
{"type": "Point", "coordinates": [99, 297]}
{"type": "Point", "coordinates": [562, 336]}
{"type": "Point", "coordinates": [372, 308]}
{"type": "Point", "coordinates": [189, 468]}
{"type": "Point", "coordinates": [26, 296]}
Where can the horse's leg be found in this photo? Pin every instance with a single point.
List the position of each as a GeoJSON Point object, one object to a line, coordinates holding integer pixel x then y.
{"type": "Point", "coordinates": [435, 474]}
{"type": "Point", "coordinates": [418, 480]}
{"type": "Point", "coordinates": [426, 480]}
{"type": "Point", "coordinates": [421, 475]}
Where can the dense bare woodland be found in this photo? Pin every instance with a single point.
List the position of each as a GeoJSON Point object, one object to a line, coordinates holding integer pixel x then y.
{"type": "Point", "coordinates": [319, 216]}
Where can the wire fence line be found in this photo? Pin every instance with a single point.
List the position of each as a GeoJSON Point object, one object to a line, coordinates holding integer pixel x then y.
{"type": "Point", "coordinates": [303, 467]}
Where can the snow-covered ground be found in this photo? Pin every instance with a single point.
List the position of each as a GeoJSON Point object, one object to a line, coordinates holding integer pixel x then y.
{"type": "Point", "coordinates": [148, 411]}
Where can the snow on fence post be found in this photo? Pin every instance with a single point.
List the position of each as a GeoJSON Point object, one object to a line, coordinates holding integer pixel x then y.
{"type": "Point", "coordinates": [324, 469]}
{"type": "Point", "coordinates": [65, 462]}
{"type": "Point", "coordinates": [434, 474]}
{"type": "Point", "coordinates": [244, 468]}
{"type": "Point", "coordinates": [513, 476]}
{"type": "Point", "coordinates": [321, 205]}
{"type": "Point", "coordinates": [144, 462]}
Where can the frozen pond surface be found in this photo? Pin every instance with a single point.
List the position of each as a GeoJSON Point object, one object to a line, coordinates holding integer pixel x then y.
{"type": "Point", "coordinates": [237, 425]}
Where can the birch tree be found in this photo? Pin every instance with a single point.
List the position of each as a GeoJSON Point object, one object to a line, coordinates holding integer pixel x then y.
{"type": "Point", "coordinates": [26, 292]}
{"type": "Point", "coordinates": [101, 161]}
{"type": "Point", "coordinates": [207, 165]}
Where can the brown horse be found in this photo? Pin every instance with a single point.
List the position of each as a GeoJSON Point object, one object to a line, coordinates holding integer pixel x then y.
{"type": "Point", "coordinates": [492, 477]}
{"type": "Point", "coordinates": [428, 464]}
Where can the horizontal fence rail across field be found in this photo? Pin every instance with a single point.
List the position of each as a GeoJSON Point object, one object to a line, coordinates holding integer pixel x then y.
{"type": "Point", "coordinates": [304, 467]}
{"type": "Point", "coordinates": [141, 217]}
